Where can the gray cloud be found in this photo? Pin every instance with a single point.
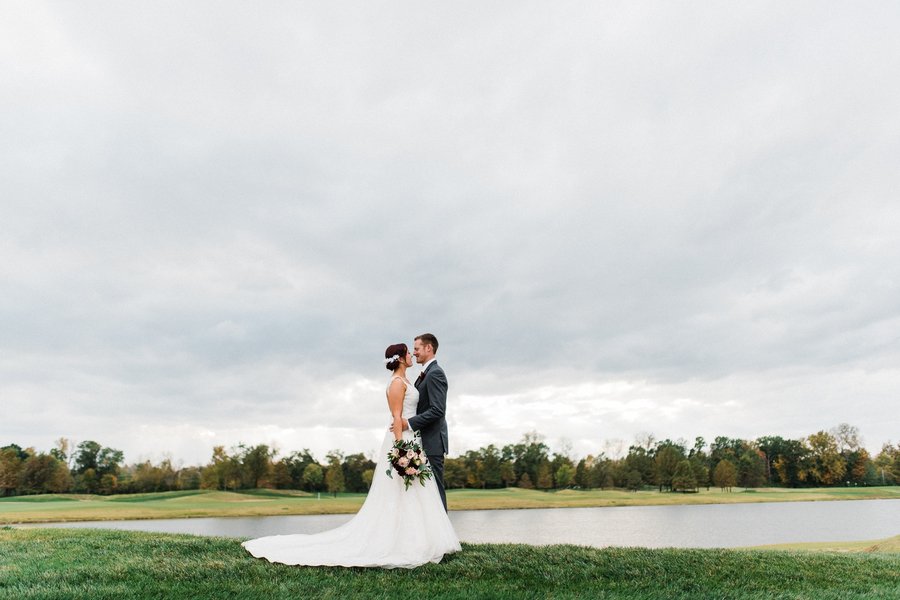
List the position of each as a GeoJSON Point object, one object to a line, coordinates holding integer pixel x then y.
{"type": "Point", "coordinates": [217, 216]}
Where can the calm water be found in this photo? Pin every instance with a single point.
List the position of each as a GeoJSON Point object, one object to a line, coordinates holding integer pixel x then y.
{"type": "Point", "coordinates": [705, 526]}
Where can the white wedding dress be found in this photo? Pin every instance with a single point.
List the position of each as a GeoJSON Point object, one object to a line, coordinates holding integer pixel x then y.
{"type": "Point", "coordinates": [394, 528]}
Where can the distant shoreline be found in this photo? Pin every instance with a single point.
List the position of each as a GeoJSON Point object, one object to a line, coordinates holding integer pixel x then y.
{"type": "Point", "coordinates": [248, 503]}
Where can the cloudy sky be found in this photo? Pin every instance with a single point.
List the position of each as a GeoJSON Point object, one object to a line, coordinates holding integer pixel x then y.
{"type": "Point", "coordinates": [618, 218]}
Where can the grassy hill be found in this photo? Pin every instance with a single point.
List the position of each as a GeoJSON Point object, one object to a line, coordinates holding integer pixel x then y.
{"type": "Point", "coordinates": [119, 565]}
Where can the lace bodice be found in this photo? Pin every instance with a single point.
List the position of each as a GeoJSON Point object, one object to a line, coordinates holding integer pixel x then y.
{"type": "Point", "coordinates": [410, 398]}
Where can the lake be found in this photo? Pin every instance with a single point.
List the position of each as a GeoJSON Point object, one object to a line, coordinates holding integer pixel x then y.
{"type": "Point", "coordinates": [698, 526]}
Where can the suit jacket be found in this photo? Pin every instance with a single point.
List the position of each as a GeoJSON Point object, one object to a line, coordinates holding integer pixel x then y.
{"type": "Point", "coordinates": [429, 419]}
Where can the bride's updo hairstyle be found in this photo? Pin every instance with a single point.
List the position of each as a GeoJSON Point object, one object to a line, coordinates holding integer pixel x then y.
{"type": "Point", "coordinates": [393, 355]}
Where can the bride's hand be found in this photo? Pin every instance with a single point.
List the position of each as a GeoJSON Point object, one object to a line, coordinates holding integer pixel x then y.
{"type": "Point", "coordinates": [405, 425]}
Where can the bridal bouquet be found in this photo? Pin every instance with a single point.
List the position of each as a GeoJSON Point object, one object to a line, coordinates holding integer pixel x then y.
{"type": "Point", "coordinates": [408, 459]}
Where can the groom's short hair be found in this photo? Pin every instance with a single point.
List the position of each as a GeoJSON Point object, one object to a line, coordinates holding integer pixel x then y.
{"type": "Point", "coordinates": [428, 338]}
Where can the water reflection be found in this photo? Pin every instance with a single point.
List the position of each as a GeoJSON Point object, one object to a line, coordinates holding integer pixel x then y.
{"type": "Point", "coordinates": [703, 526]}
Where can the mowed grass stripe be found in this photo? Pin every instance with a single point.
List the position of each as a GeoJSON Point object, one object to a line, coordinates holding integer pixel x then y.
{"type": "Point", "coordinates": [204, 503]}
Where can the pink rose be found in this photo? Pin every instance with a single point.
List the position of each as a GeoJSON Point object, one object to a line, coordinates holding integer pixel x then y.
{"type": "Point", "coordinates": [410, 454]}
{"type": "Point", "coordinates": [411, 471]}
{"type": "Point", "coordinates": [403, 461]}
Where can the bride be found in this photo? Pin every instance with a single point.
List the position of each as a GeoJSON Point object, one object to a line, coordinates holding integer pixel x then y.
{"type": "Point", "coordinates": [396, 527]}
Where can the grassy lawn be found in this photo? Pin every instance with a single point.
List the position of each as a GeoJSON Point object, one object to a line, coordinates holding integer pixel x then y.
{"type": "Point", "coordinates": [99, 564]}
{"type": "Point", "coordinates": [197, 503]}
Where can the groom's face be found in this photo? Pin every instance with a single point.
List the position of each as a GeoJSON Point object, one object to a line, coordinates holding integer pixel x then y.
{"type": "Point", "coordinates": [422, 352]}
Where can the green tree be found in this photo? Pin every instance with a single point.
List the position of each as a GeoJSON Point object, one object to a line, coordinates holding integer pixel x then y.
{"type": "Point", "coordinates": [633, 480]}
{"type": "Point", "coordinates": [367, 476]}
{"type": "Point", "coordinates": [10, 467]}
{"type": "Point", "coordinates": [296, 463]}
{"type": "Point", "coordinates": [527, 455]}
{"type": "Point", "coordinates": [639, 459]}
{"type": "Point", "coordinates": [507, 473]}
{"type": "Point", "coordinates": [725, 475]}
{"type": "Point", "coordinates": [581, 468]}
{"type": "Point", "coordinates": [668, 455]}
{"type": "Point", "coordinates": [109, 461]}
{"type": "Point", "coordinates": [313, 477]}
{"type": "Point", "coordinates": [491, 467]}
{"type": "Point", "coordinates": [565, 475]}
{"type": "Point", "coordinates": [88, 482]}
{"type": "Point", "coordinates": [701, 473]}
{"type": "Point", "coordinates": [354, 466]}
{"type": "Point", "coordinates": [86, 456]}
{"type": "Point", "coordinates": [684, 480]}
{"type": "Point", "coordinates": [256, 463]}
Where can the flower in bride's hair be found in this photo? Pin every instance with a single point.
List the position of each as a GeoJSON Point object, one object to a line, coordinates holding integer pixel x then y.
{"type": "Point", "coordinates": [403, 461]}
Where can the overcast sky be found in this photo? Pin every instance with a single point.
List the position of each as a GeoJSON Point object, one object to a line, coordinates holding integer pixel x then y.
{"type": "Point", "coordinates": [618, 219]}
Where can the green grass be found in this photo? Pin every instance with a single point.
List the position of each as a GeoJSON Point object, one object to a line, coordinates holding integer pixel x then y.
{"type": "Point", "coordinates": [204, 503]}
{"type": "Point", "coordinates": [117, 565]}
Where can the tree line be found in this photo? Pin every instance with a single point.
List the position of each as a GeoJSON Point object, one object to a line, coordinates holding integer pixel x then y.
{"type": "Point", "coordinates": [825, 458]}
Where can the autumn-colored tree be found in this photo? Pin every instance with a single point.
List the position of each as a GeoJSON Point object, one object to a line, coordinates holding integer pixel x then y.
{"type": "Point", "coordinates": [280, 476]}
{"type": "Point", "coordinates": [824, 463]}
{"type": "Point", "coordinates": [44, 474]}
{"type": "Point", "coordinates": [334, 475]}
{"type": "Point", "coordinates": [544, 478]}
{"type": "Point", "coordinates": [859, 464]}
{"type": "Point", "coordinates": [454, 473]}
{"type": "Point", "coordinates": [887, 464]}
{"type": "Point", "coordinates": [683, 480]}
{"type": "Point", "coordinates": [751, 467]}
{"type": "Point", "coordinates": [725, 475]}
{"type": "Point", "coordinates": [525, 482]}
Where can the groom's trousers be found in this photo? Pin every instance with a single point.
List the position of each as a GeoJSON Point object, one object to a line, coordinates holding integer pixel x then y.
{"type": "Point", "coordinates": [437, 467]}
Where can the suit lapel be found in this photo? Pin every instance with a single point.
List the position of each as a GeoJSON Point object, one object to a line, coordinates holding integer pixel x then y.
{"type": "Point", "coordinates": [421, 377]}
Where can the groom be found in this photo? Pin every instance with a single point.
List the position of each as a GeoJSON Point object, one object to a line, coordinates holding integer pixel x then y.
{"type": "Point", "coordinates": [429, 419]}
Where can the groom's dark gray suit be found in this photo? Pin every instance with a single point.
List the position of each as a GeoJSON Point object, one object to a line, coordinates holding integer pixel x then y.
{"type": "Point", "coordinates": [430, 421]}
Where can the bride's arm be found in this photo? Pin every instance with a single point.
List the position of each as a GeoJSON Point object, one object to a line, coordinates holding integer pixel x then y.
{"type": "Point", "coordinates": [395, 404]}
